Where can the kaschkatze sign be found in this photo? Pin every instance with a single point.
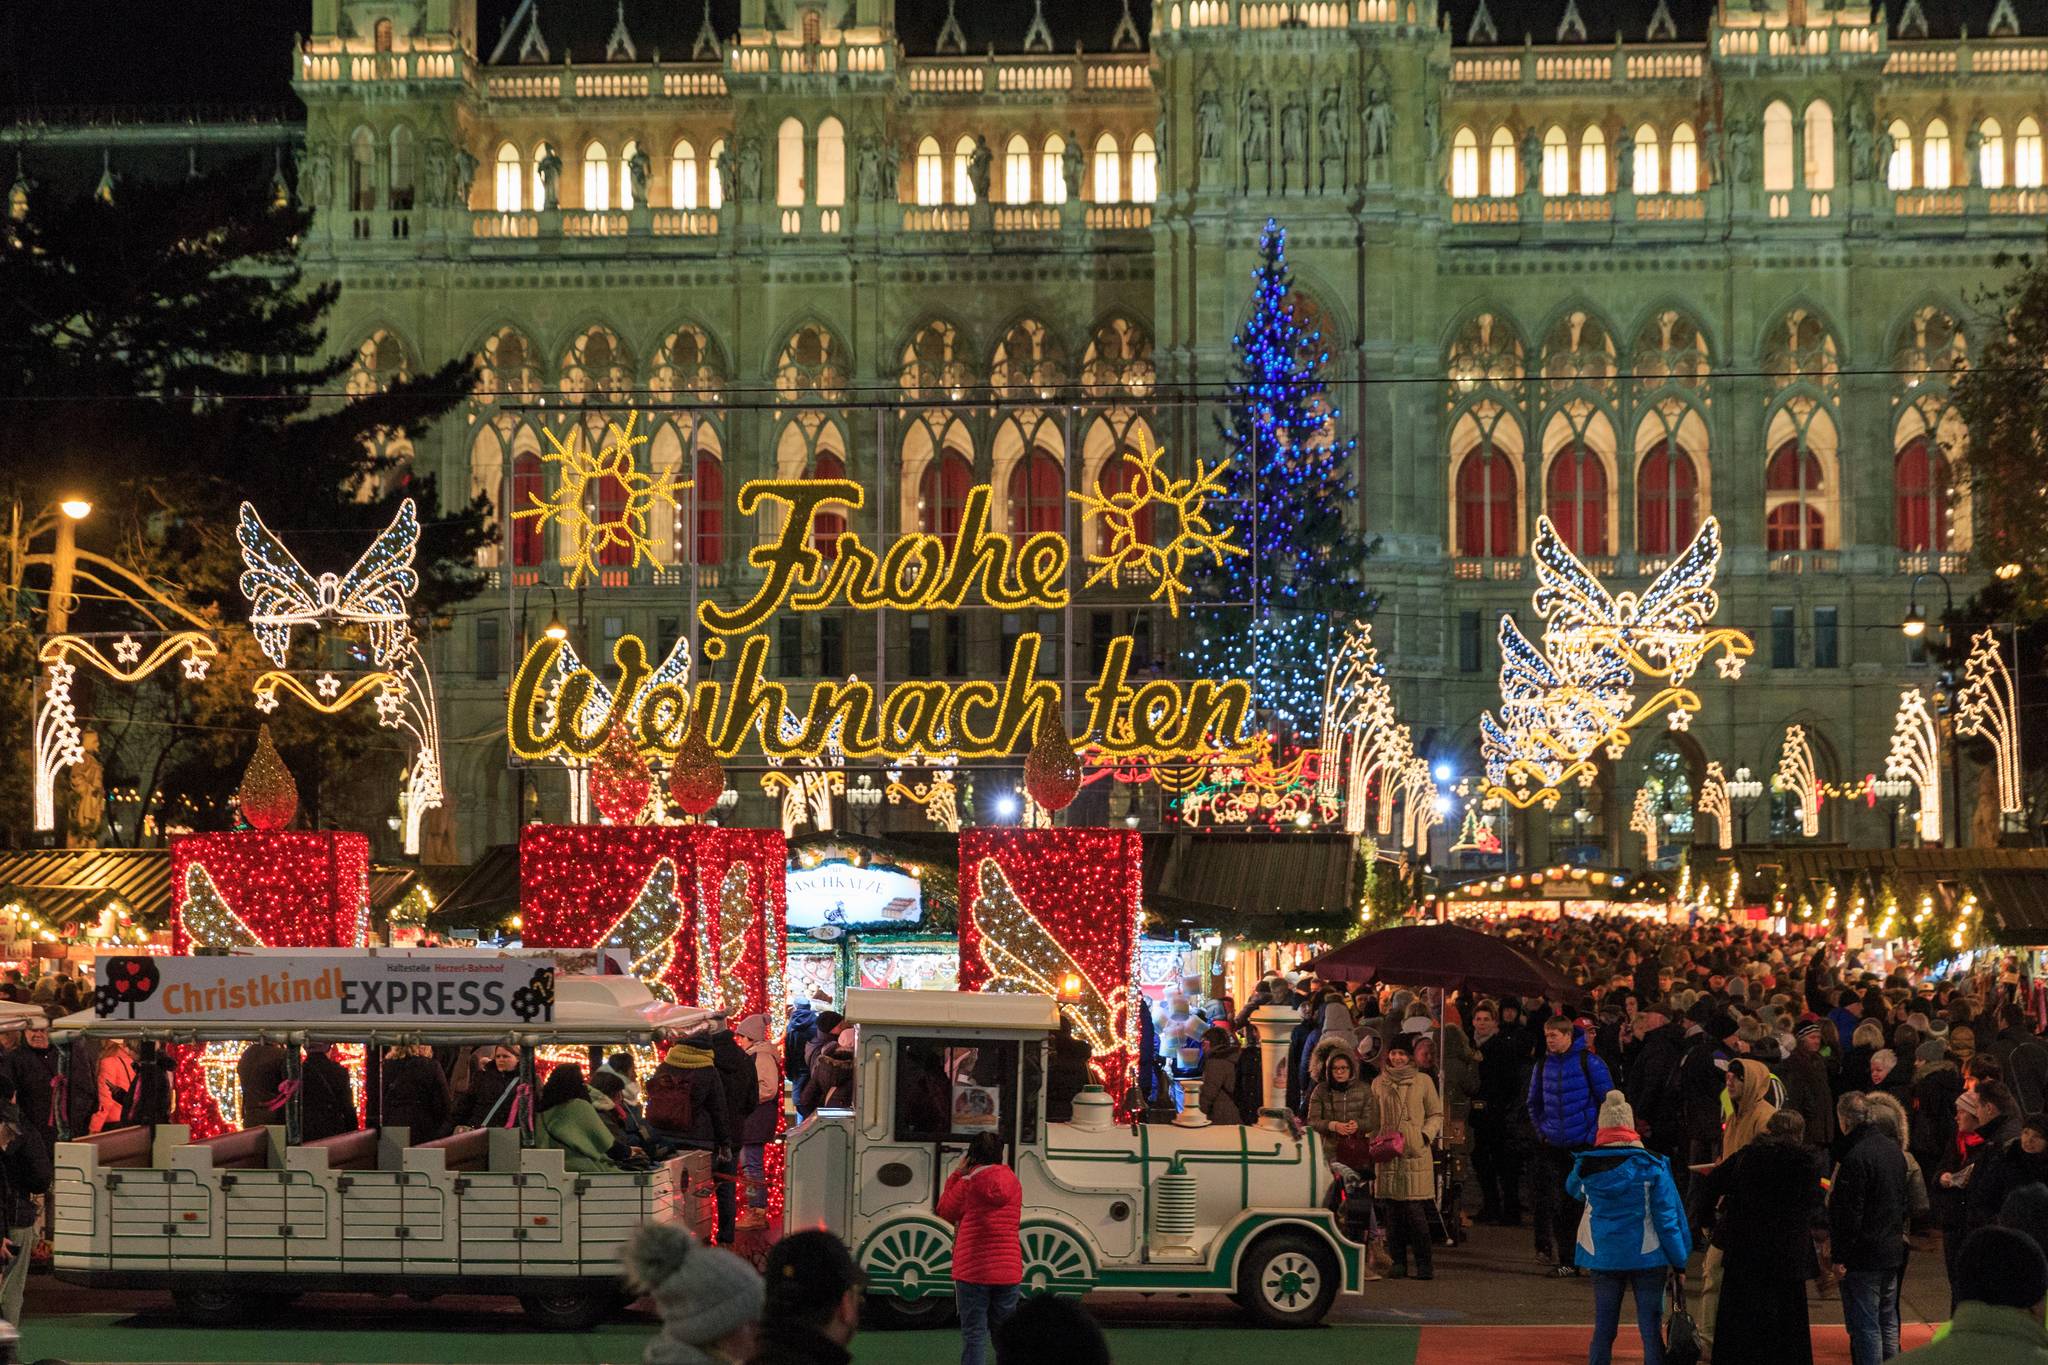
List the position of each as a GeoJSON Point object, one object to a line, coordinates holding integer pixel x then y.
{"type": "Point", "coordinates": [440, 988]}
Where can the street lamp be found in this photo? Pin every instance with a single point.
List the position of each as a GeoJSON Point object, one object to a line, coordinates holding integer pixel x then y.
{"type": "Point", "coordinates": [1745, 791]}
{"type": "Point", "coordinates": [64, 563]}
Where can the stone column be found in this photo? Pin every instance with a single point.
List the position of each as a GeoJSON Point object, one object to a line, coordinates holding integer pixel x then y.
{"type": "Point", "coordinates": [1275, 1024]}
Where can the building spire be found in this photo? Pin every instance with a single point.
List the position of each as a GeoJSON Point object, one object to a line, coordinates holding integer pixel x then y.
{"type": "Point", "coordinates": [619, 47]}
{"type": "Point", "coordinates": [1571, 28]}
{"type": "Point", "coordinates": [1661, 29]}
{"type": "Point", "coordinates": [1125, 39]}
{"type": "Point", "coordinates": [705, 48]}
{"type": "Point", "coordinates": [951, 39]}
{"type": "Point", "coordinates": [1038, 38]}
{"type": "Point", "coordinates": [2004, 23]}
{"type": "Point", "coordinates": [1912, 20]}
{"type": "Point", "coordinates": [533, 47]}
{"type": "Point", "coordinates": [1481, 29]}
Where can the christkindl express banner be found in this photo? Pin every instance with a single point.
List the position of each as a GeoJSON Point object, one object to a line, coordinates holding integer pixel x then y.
{"type": "Point", "coordinates": [287, 987]}
{"type": "Point", "coordinates": [560, 707]}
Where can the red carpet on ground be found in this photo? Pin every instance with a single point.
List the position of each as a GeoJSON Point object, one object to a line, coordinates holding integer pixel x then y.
{"type": "Point", "coordinates": [1561, 1345]}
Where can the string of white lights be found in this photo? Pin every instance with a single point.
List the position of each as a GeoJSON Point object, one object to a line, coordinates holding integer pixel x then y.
{"type": "Point", "coordinates": [1916, 757]}
{"type": "Point", "coordinates": [1795, 777]}
{"type": "Point", "coordinates": [1988, 706]}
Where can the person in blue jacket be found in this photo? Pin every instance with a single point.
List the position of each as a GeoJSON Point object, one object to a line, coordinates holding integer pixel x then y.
{"type": "Point", "coordinates": [1634, 1231]}
{"type": "Point", "coordinates": [1565, 1090]}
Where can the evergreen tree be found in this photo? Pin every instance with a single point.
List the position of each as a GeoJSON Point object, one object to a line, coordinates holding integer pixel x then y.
{"type": "Point", "coordinates": [1276, 615]}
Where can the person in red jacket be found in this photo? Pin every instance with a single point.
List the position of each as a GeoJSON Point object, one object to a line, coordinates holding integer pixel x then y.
{"type": "Point", "coordinates": [983, 1202]}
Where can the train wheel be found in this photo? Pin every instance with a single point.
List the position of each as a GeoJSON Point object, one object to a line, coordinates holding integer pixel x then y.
{"type": "Point", "coordinates": [569, 1310]}
{"type": "Point", "coordinates": [210, 1307]}
{"type": "Point", "coordinates": [1287, 1280]}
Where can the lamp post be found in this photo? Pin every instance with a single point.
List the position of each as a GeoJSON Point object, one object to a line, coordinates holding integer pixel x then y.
{"type": "Point", "coordinates": [64, 564]}
{"type": "Point", "coordinates": [1913, 627]}
{"type": "Point", "coordinates": [1744, 791]}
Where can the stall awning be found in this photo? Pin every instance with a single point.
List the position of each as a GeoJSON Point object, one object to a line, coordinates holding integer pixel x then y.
{"type": "Point", "coordinates": [61, 884]}
{"type": "Point", "coordinates": [1256, 878]}
{"type": "Point", "coordinates": [2011, 883]}
{"type": "Point", "coordinates": [486, 895]}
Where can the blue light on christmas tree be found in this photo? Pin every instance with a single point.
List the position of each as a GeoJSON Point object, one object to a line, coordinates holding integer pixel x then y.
{"type": "Point", "coordinates": [1280, 613]}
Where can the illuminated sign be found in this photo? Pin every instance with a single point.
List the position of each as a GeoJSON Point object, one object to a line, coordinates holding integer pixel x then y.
{"type": "Point", "coordinates": [840, 893]}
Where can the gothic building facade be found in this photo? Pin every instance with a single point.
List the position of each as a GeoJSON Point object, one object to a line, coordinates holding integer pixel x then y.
{"type": "Point", "coordinates": [1623, 264]}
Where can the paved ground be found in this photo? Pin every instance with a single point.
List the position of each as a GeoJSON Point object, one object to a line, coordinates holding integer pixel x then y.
{"type": "Point", "coordinates": [1491, 1304]}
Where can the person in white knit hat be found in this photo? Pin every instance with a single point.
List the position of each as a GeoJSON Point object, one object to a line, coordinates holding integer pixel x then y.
{"type": "Point", "coordinates": [709, 1299]}
{"type": "Point", "coordinates": [1633, 1233]}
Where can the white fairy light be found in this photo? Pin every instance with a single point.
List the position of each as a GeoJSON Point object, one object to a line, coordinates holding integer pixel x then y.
{"type": "Point", "coordinates": [1987, 705]}
{"type": "Point", "coordinates": [1643, 820]}
{"type": "Point", "coordinates": [1366, 750]}
{"type": "Point", "coordinates": [1714, 802]}
{"type": "Point", "coordinates": [1916, 757]}
{"type": "Point", "coordinates": [58, 741]}
{"type": "Point", "coordinates": [1795, 776]}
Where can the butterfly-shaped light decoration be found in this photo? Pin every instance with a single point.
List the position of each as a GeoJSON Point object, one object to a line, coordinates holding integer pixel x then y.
{"type": "Point", "coordinates": [722, 942]}
{"type": "Point", "coordinates": [1663, 631]}
{"type": "Point", "coordinates": [1023, 957]}
{"type": "Point", "coordinates": [282, 594]}
{"type": "Point", "coordinates": [597, 705]}
{"type": "Point", "coordinates": [647, 930]}
{"type": "Point", "coordinates": [210, 922]}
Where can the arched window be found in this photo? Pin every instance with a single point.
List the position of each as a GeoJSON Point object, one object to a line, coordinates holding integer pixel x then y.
{"type": "Point", "coordinates": [1991, 154]}
{"type": "Point", "coordinates": [714, 179]}
{"type": "Point", "coordinates": [710, 495]}
{"type": "Point", "coordinates": [1501, 164]}
{"type": "Point", "coordinates": [1052, 171]}
{"type": "Point", "coordinates": [2026, 155]}
{"type": "Point", "coordinates": [1487, 502]}
{"type": "Point", "coordinates": [1820, 146]}
{"type": "Point", "coordinates": [1648, 165]}
{"type": "Point", "coordinates": [1592, 161]}
{"type": "Point", "coordinates": [1920, 484]}
{"type": "Point", "coordinates": [963, 171]}
{"type": "Point", "coordinates": [529, 488]}
{"type": "Point", "coordinates": [931, 174]}
{"type": "Point", "coordinates": [830, 522]}
{"type": "Point", "coordinates": [401, 167]}
{"type": "Point", "coordinates": [1119, 479]}
{"type": "Point", "coordinates": [362, 170]}
{"type": "Point", "coordinates": [1575, 496]}
{"type": "Point", "coordinates": [942, 493]}
{"type": "Point", "coordinates": [597, 178]}
{"type": "Point", "coordinates": [1778, 146]}
{"type": "Point", "coordinates": [1667, 500]}
{"type": "Point", "coordinates": [1108, 170]}
{"type": "Point", "coordinates": [508, 183]}
{"type": "Point", "coordinates": [1144, 170]}
{"type": "Point", "coordinates": [682, 176]}
{"type": "Point", "coordinates": [626, 155]}
{"type": "Point", "coordinates": [831, 164]}
{"type": "Point", "coordinates": [1899, 174]}
{"type": "Point", "coordinates": [1685, 160]}
{"type": "Point", "coordinates": [789, 164]}
{"type": "Point", "coordinates": [1557, 162]}
{"type": "Point", "coordinates": [1017, 170]}
{"type": "Point", "coordinates": [1794, 483]}
{"type": "Point", "coordinates": [1934, 159]}
{"type": "Point", "coordinates": [1037, 494]}
{"type": "Point", "coordinates": [1464, 164]}
{"type": "Point", "coordinates": [609, 498]}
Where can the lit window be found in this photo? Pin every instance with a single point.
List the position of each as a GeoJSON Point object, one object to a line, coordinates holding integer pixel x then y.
{"type": "Point", "coordinates": [1557, 162]}
{"type": "Point", "coordinates": [597, 178]}
{"type": "Point", "coordinates": [2026, 155]}
{"type": "Point", "coordinates": [682, 176]}
{"type": "Point", "coordinates": [1052, 171]}
{"type": "Point", "coordinates": [1793, 483]}
{"type": "Point", "coordinates": [509, 183]}
{"type": "Point", "coordinates": [931, 174]}
{"type": "Point", "coordinates": [963, 165]}
{"type": "Point", "coordinates": [1592, 161]}
{"type": "Point", "coordinates": [1576, 499]}
{"type": "Point", "coordinates": [789, 164]}
{"type": "Point", "coordinates": [1667, 500]}
{"type": "Point", "coordinates": [1899, 174]}
{"type": "Point", "coordinates": [1921, 490]}
{"type": "Point", "coordinates": [362, 170]}
{"type": "Point", "coordinates": [1820, 146]}
{"type": "Point", "coordinates": [1500, 164]}
{"type": "Point", "coordinates": [1934, 159]}
{"type": "Point", "coordinates": [1108, 170]}
{"type": "Point", "coordinates": [714, 179]}
{"type": "Point", "coordinates": [1778, 146]}
{"type": "Point", "coordinates": [1144, 170]}
{"type": "Point", "coordinates": [1991, 154]}
{"type": "Point", "coordinates": [1037, 494]}
{"type": "Point", "coordinates": [1685, 160]}
{"type": "Point", "coordinates": [1017, 170]}
{"type": "Point", "coordinates": [1648, 157]}
{"type": "Point", "coordinates": [831, 164]}
{"type": "Point", "coordinates": [1465, 164]}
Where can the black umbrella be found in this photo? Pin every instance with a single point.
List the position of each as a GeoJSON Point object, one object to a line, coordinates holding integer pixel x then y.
{"type": "Point", "coordinates": [1444, 955]}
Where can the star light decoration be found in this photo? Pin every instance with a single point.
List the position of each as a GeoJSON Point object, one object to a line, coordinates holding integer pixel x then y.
{"type": "Point", "coordinates": [807, 789]}
{"type": "Point", "coordinates": [376, 594]}
{"type": "Point", "coordinates": [1184, 500]}
{"type": "Point", "coordinates": [58, 741]}
{"type": "Point", "coordinates": [1643, 820]}
{"type": "Point", "coordinates": [1988, 706]}
{"type": "Point", "coordinates": [1795, 777]}
{"type": "Point", "coordinates": [1916, 757]}
{"type": "Point", "coordinates": [1714, 802]}
{"type": "Point", "coordinates": [586, 532]}
{"type": "Point", "coordinates": [1575, 694]}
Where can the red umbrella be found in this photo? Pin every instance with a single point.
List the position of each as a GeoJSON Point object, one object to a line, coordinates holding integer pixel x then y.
{"type": "Point", "coordinates": [1445, 955]}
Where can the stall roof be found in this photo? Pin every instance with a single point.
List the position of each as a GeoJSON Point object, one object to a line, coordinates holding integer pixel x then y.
{"type": "Point", "coordinates": [487, 893]}
{"type": "Point", "coordinates": [2011, 883]}
{"type": "Point", "coordinates": [1253, 876]}
{"type": "Point", "coordinates": [63, 883]}
{"type": "Point", "coordinates": [950, 1009]}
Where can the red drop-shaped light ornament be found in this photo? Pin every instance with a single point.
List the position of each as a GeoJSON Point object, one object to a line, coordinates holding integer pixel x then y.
{"type": "Point", "coordinates": [620, 779]}
{"type": "Point", "coordinates": [1052, 770]}
{"type": "Point", "coordinates": [696, 781]}
{"type": "Point", "coordinates": [268, 796]}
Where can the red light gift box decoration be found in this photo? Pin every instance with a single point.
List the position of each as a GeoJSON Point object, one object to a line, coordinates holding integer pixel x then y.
{"type": "Point", "coordinates": [701, 909]}
{"type": "Point", "coordinates": [1057, 912]}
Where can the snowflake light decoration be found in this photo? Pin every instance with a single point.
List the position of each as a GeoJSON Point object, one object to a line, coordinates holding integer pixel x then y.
{"type": "Point", "coordinates": [586, 533]}
{"type": "Point", "coordinates": [1185, 500]}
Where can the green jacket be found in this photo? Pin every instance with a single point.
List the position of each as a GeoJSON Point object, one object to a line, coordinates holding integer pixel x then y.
{"type": "Point", "coordinates": [581, 1132]}
{"type": "Point", "coordinates": [1986, 1335]}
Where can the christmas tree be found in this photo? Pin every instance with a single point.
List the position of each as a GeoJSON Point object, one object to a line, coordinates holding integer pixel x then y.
{"type": "Point", "coordinates": [1278, 614]}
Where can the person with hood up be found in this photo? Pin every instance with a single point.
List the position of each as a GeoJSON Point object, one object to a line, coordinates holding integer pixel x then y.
{"type": "Point", "coordinates": [1343, 1113]}
{"type": "Point", "coordinates": [2003, 1281]}
{"type": "Point", "coordinates": [709, 1300]}
{"type": "Point", "coordinates": [1634, 1233]}
{"type": "Point", "coordinates": [831, 1082]}
{"type": "Point", "coordinates": [2024, 1162]}
{"type": "Point", "coordinates": [796, 1043]}
{"type": "Point", "coordinates": [1768, 1192]}
{"type": "Point", "coordinates": [1409, 1106]}
{"type": "Point", "coordinates": [1703, 1078]}
{"type": "Point", "coordinates": [570, 1122]}
{"type": "Point", "coordinates": [1337, 1021]}
{"type": "Point", "coordinates": [1565, 1091]}
{"type": "Point", "coordinates": [1219, 1076]}
{"type": "Point", "coordinates": [1868, 1209]}
{"type": "Point", "coordinates": [757, 1130]}
{"type": "Point", "coordinates": [1748, 1085]}
{"type": "Point", "coordinates": [984, 1202]}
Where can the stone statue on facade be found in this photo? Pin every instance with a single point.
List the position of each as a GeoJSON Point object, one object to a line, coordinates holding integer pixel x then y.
{"type": "Point", "coordinates": [1433, 134]}
{"type": "Point", "coordinates": [549, 168]}
{"type": "Point", "coordinates": [1861, 145]}
{"type": "Point", "coordinates": [750, 172]}
{"type": "Point", "coordinates": [1293, 143]}
{"type": "Point", "coordinates": [728, 178]}
{"type": "Point", "coordinates": [1257, 137]}
{"type": "Point", "coordinates": [1379, 134]}
{"type": "Point", "coordinates": [636, 175]}
{"type": "Point", "coordinates": [466, 167]}
{"type": "Point", "coordinates": [1209, 126]}
{"type": "Point", "coordinates": [1881, 163]}
{"type": "Point", "coordinates": [978, 163]}
{"type": "Point", "coordinates": [1625, 163]}
{"type": "Point", "coordinates": [1741, 151]}
{"type": "Point", "coordinates": [1070, 166]}
{"type": "Point", "coordinates": [1330, 140]}
{"type": "Point", "coordinates": [435, 192]}
{"type": "Point", "coordinates": [316, 175]}
{"type": "Point", "coordinates": [867, 171]}
{"type": "Point", "coordinates": [1532, 161]}
{"type": "Point", "coordinates": [88, 796]}
{"type": "Point", "coordinates": [1973, 156]}
{"type": "Point", "coordinates": [1717, 161]}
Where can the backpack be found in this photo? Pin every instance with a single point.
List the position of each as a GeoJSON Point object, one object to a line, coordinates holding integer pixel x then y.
{"type": "Point", "coordinates": [671, 1100]}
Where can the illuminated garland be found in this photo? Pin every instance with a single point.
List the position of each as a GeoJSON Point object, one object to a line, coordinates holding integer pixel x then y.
{"type": "Point", "coordinates": [939, 795]}
{"type": "Point", "coordinates": [1361, 737]}
{"type": "Point", "coordinates": [1795, 777]}
{"type": "Point", "coordinates": [58, 742]}
{"type": "Point", "coordinates": [807, 794]}
{"type": "Point", "coordinates": [1714, 802]}
{"type": "Point", "coordinates": [1643, 820]}
{"type": "Point", "coordinates": [584, 534]}
{"type": "Point", "coordinates": [1249, 784]}
{"type": "Point", "coordinates": [1916, 757]}
{"type": "Point", "coordinates": [1987, 705]}
{"type": "Point", "coordinates": [1418, 804]}
{"type": "Point", "coordinates": [1184, 500]}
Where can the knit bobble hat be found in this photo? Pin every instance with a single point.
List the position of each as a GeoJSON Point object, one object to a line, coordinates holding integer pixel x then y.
{"type": "Point", "coordinates": [703, 1294]}
{"type": "Point", "coordinates": [2003, 1267]}
{"type": "Point", "coordinates": [1615, 1113]}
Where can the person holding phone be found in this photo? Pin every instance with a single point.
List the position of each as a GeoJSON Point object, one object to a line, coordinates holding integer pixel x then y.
{"type": "Point", "coordinates": [984, 1202]}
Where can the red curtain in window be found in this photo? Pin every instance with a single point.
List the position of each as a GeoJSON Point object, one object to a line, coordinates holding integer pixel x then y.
{"type": "Point", "coordinates": [942, 493]}
{"type": "Point", "coordinates": [1576, 498]}
{"type": "Point", "coordinates": [611, 510]}
{"type": "Point", "coordinates": [827, 525]}
{"type": "Point", "coordinates": [1667, 501]}
{"type": "Point", "coordinates": [529, 485]}
{"type": "Point", "coordinates": [1035, 494]}
{"type": "Point", "coordinates": [710, 495]}
{"type": "Point", "coordinates": [1920, 487]}
{"type": "Point", "coordinates": [1121, 476]}
{"type": "Point", "coordinates": [1486, 505]}
{"type": "Point", "coordinates": [1796, 472]}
